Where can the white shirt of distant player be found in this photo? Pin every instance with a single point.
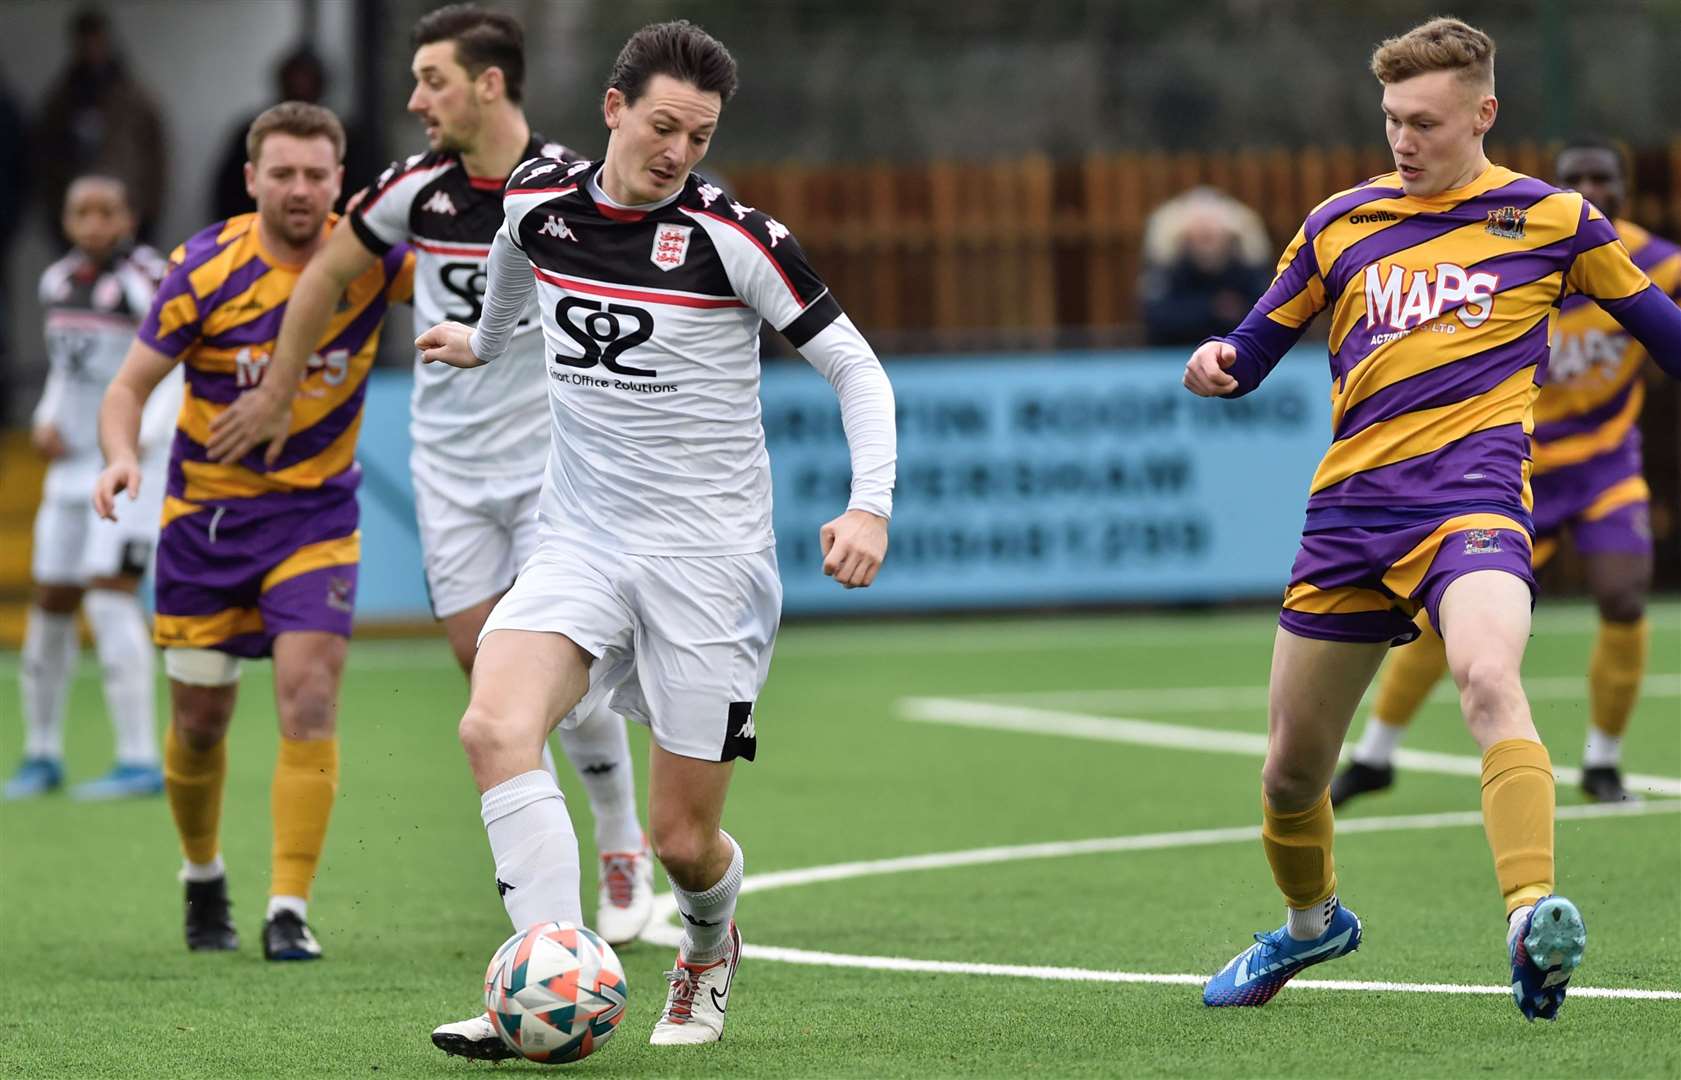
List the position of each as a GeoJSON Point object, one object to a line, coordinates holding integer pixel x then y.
{"type": "Point", "coordinates": [86, 344]}
{"type": "Point", "coordinates": [675, 464]}
{"type": "Point", "coordinates": [472, 422]}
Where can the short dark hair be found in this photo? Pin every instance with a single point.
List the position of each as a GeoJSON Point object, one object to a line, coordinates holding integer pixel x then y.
{"type": "Point", "coordinates": [679, 49]}
{"type": "Point", "coordinates": [483, 39]}
{"type": "Point", "coordinates": [296, 118]}
{"type": "Point", "coordinates": [1598, 142]}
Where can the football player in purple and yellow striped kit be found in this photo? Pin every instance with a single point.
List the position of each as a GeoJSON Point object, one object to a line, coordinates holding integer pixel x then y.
{"type": "Point", "coordinates": [1442, 280]}
{"type": "Point", "coordinates": [257, 556]}
{"type": "Point", "coordinates": [1589, 482]}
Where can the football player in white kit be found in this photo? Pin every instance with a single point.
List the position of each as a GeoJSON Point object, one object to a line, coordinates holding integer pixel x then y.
{"type": "Point", "coordinates": [480, 439]}
{"type": "Point", "coordinates": [655, 581]}
{"type": "Point", "coordinates": [95, 298]}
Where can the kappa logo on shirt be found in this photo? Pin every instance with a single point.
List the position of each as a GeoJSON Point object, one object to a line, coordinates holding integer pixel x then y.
{"type": "Point", "coordinates": [556, 227]}
{"type": "Point", "coordinates": [439, 203]}
{"type": "Point", "coordinates": [541, 170]}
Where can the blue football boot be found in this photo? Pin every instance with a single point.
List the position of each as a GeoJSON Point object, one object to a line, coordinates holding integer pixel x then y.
{"type": "Point", "coordinates": [1546, 950]}
{"type": "Point", "coordinates": [1260, 971]}
{"type": "Point", "coordinates": [36, 776]}
{"type": "Point", "coordinates": [122, 782]}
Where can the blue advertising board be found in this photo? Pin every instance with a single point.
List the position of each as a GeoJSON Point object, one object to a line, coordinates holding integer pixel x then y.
{"type": "Point", "coordinates": [1024, 480]}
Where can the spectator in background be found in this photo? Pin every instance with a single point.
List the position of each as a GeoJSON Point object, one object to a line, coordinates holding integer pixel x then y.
{"type": "Point", "coordinates": [98, 119]}
{"type": "Point", "coordinates": [1206, 260]}
{"type": "Point", "coordinates": [300, 76]}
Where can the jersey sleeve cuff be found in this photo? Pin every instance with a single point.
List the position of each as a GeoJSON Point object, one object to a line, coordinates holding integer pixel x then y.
{"type": "Point", "coordinates": [811, 322]}
{"type": "Point", "coordinates": [365, 233]}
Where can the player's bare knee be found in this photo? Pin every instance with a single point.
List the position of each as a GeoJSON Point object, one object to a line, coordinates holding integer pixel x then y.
{"type": "Point", "coordinates": [682, 848]}
{"type": "Point", "coordinates": [308, 711]}
{"type": "Point", "coordinates": [1288, 785]}
{"type": "Point", "coordinates": [1489, 691]}
{"type": "Point", "coordinates": [489, 734]}
{"type": "Point", "coordinates": [1624, 605]}
{"type": "Point", "coordinates": [58, 599]}
{"type": "Point", "coordinates": [201, 714]}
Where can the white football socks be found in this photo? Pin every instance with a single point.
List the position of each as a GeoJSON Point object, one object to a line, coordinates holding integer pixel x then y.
{"type": "Point", "coordinates": [707, 915]}
{"type": "Point", "coordinates": [128, 663]}
{"type": "Point", "coordinates": [210, 871]}
{"type": "Point", "coordinates": [297, 905]}
{"type": "Point", "coordinates": [1305, 924]}
{"type": "Point", "coordinates": [1377, 743]}
{"type": "Point", "coordinates": [49, 653]}
{"type": "Point", "coordinates": [599, 750]}
{"type": "Point", "coordinates": [535, 849]}
{"type": "Point", "coordinates": [1603, 751]}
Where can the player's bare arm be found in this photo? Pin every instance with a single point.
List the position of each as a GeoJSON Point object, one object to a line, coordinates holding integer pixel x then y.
{"type": "Point", "coordinates": [448, 343]}
{"type": "Point", "coordinates": [47, 441]}
{"type": "Point", "coordinates": [263, 413]}
{"type": "Point", "coordinates": [119, 425]}
{"type": "Point", "coordinates": [1205, 372]}
{"type": "Point", "coordinates": [854, 546]}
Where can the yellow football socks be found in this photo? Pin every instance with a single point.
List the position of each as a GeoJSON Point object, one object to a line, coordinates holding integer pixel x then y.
{"type": "Point", "coordinates": [1518, 818]}
{"type": "Point", "coordinates": [1409, 675]}
{"type": "Point", "coordinates": [1614, 672]}
{"type": "Point", "coordinates": [1298, 846]}
{"type": "Point", "coordinates": [306, 780]}
{"type": "Point", "coordinates": [193, 780]}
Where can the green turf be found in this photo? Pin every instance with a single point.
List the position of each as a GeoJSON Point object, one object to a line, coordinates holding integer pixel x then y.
{"type": "Point", "coordinates": [94, 980]}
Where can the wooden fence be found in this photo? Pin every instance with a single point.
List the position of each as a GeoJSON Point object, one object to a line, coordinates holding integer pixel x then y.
{"type": "Point", "coordinates": [1036, 253]}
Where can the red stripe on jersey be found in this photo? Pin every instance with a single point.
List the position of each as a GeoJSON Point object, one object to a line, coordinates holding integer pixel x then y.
{"type": "Point", "coordinates": [487, 183]}
{"type": "Point", "coordinates": [544, 191]}
{"type": "Point", "coordinates": [617, 214]}
{"type": "Point", "coordinates": [380, 194]}
{"type": "Point", "coordinates": [768, 256]}
{"type": "Point", "coordinates": [674, 299]}
{"type": "Point", "coordinates": [452, 249]}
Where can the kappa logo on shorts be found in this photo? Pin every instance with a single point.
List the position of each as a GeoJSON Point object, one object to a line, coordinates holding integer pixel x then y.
{"type": "Point", "coordinates": [338, 594]}
{"type": "Point", "coordinates": [1482, 541]}
{"type": "Point", "coordinates": [740, 741]}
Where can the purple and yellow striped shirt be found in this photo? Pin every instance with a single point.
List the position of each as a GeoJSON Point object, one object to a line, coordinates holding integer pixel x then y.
{"type": "Point", "coordinates": [1441, 310]}
{"type": "Point", "coordinates": [1590, 405]}
{"type": "Point", "coordinates": [219, 310]}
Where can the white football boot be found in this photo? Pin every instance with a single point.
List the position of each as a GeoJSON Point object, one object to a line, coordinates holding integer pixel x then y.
{"type": "Point", "coordinates": [474, 1038]}
{"type": "Point", "coordinates": [700, 993]}
{"type": "Point", "coordinates": [627, 896]}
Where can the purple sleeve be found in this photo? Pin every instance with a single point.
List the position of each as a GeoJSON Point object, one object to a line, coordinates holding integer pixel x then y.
{"type": "Point", "coordinates": [1655, 321]}
{"type": "Point", "coordinates": [1260, 343]}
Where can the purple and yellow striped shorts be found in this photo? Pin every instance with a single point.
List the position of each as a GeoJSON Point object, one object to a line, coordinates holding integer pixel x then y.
{"type": "Point", "coordinates": [232, 578]}
{"type": "Point", "coordinates": [1366, 584]}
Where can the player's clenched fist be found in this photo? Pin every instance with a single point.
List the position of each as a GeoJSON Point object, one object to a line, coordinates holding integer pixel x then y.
{"type": "Point", "coordinates": [853, 546]}
{"type": "Point", "coordinates": [118, 476]}
{"type": "Point", "coordinates": [1205, 372]}
{"type": "Point", "coordinates": [448, 343]}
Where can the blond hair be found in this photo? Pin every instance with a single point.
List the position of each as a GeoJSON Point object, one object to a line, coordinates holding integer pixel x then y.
{"type": "Point", "coordinates": [296, 118]}
{"type": "Point", "coordinates": [1442, 44]}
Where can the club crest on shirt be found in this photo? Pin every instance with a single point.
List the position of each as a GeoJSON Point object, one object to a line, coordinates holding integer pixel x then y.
{"type": "Point", "coordinates": [671, 246]}
{"type": "Point", "coordinates": [1482, 541]}
{"type": "Point", "coordinates": [1508, 221]}
{"type": "Point", "coordinates": [339, 591]}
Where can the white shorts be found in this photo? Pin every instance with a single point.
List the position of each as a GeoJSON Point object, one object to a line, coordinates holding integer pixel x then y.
{"type": "Point", "coordinates": [474, 534]}
{"type": "Point", "coordinates": [74, 545]}
{"type": "Point", "coordinates": [681, 644]}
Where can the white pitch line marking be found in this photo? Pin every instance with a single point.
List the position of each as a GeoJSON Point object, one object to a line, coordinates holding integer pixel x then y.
{"type": "Point", "coordinates": [1221, 698]}
{"type": "Point", "coordinates": [661, 931]}
{"type": "Point", "coordinates": [964, 712]}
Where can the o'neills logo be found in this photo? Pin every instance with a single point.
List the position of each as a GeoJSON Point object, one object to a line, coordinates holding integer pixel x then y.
{"type": "Point", "coordinates": [1372, 217]}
